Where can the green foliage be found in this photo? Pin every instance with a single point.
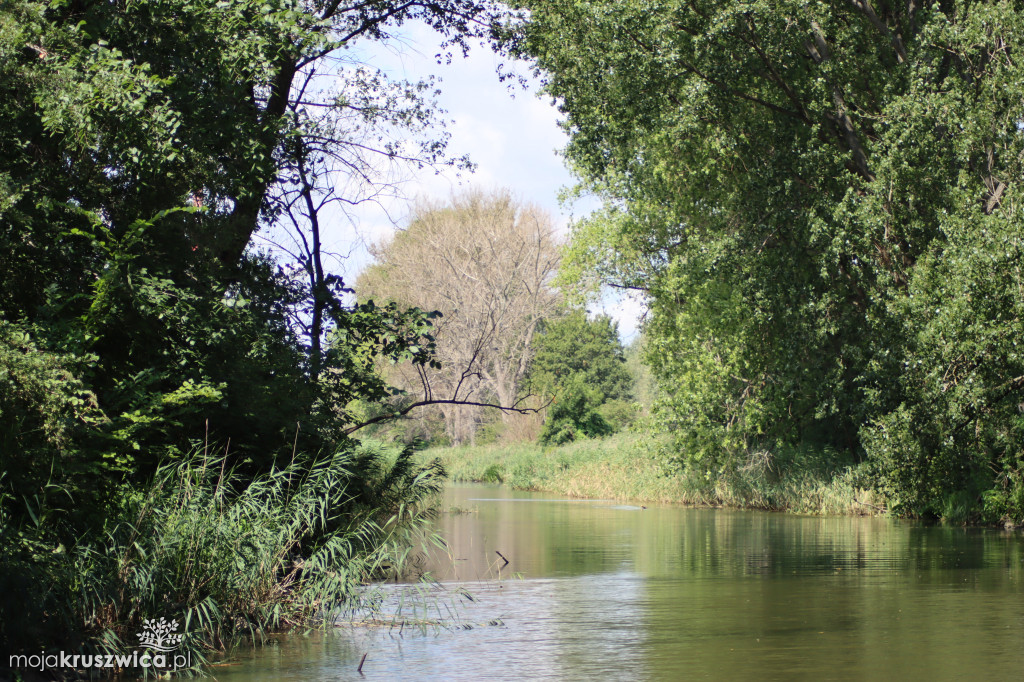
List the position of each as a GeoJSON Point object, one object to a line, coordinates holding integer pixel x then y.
{"type": "Point", "coordinates": [140, 147]}
{"type": "Point", "coordinates": [626, 466]}
{"type": "Point", "coordinates": [575, 345]}
{"type": "Point", "coordinates": [580, 362]}
{"type": "Point", "coordinates": [42, 404]}
{"type": "Point", "coordinates": [137, 146]}
{"type": "Point", "coordinates": [574, 414]}
{"type": "Point", "coordinates": [619, 414]}
{"type": "Point", "coordinates": [644, 385]}
{"type": "Point", "coordinates": [492, 474]}
{"type": "Point", "coordinates": [227, 555]}
{"type": "Point", "coordinates": [820, 202]}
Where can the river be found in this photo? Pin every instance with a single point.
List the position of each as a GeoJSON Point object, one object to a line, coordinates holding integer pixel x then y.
{"type": "Point", "coordinates": [597, 590]}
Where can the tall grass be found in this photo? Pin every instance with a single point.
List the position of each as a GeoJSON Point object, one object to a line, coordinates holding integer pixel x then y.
{"type": "Point", "coordinates": [234, 558]}
{"type": "Point", "coordinates": [617, 467]}
{"type": "Point", "coordinates": [629, 466]}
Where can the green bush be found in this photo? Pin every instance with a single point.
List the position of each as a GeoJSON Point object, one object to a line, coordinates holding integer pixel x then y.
{"type": "Point", "coordinates": [619, 414]}
{"type": "Point", "coordinates": [574, 414]}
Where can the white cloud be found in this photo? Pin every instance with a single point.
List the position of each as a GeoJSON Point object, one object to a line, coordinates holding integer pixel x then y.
{"type": "Point", "coordinates": [626, 308]}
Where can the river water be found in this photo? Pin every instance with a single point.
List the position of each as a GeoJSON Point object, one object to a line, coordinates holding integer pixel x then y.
{"type": "Point", "coordinates": [597, 590]}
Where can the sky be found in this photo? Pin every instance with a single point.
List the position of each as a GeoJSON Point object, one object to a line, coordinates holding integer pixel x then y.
{"type": "Point", "coordinates": [511, 134]}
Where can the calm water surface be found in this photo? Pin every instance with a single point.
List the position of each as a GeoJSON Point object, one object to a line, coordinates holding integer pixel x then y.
{"type": "Point", "coordinates": [603, 591]}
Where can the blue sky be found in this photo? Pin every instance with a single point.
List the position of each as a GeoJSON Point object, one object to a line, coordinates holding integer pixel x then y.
{"type": "Point", "coordinates": [512, 135]}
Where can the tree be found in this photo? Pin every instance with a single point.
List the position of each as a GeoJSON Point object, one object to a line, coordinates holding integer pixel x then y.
{"type": "Point", "coordinates": [580, 362]}
{"type": "Point", "coordinates": [577, 345]}
{"type": "Point", "coordinates": [485, 262]}
{"type": "Point", "coordinates": [357, 133]}
{"type": "Point", "coordinates": [142, 147]}
{"type": "Point", "coordinates": [145, 144]}
{"type": "Point", "coordinates": [820, 201]}
{"type": "Point", "coordinates": [574, 413]}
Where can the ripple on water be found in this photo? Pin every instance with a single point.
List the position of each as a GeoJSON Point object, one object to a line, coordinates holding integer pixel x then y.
{"type": "Point", "coordinates": [598, 591]}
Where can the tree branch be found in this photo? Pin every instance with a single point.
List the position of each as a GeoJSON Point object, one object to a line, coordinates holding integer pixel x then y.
{"type": "Point", "coordinates": [469, 403]}
{"type": "Point", "coordinates": [897, 41]}
{"type": "Point", "coordinates": [775, 75]}
{"type": "Point", "coordinates": [819, 52]}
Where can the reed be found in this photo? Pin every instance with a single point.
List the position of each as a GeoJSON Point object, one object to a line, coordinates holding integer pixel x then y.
{"type": "Point", "coordinates": [634, 467]}
{"type": "Point", "coordinates": [235, 558]}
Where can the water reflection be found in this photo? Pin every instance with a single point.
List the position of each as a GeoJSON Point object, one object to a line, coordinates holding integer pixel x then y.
{"type": "Point", "coordinates": [596, 591]}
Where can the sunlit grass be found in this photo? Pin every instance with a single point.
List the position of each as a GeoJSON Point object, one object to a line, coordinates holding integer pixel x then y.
{"type": "Point", "coordinates": [632, 467]}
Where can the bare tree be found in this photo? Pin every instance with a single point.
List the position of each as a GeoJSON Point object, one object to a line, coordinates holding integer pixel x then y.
{"type": "Point", "coordinates": [361, 134]}
{"type": "Point", "coordinates": [485, 261]}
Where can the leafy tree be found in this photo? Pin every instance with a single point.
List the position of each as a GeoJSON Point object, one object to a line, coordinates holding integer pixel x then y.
{"type": "Point", "coordinates": [575, 345]}
{"type": "Point", "coordinates": [142, 147]}
{"type": "Point", "coordinates": [581, 363]}
{"type": "Point", "coordinates": [574, 413]}
{"type": "Point", "coordinates": [819, 200]}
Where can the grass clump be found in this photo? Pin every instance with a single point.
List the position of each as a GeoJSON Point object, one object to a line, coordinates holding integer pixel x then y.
{"type": "Point", "coordinates": [231, 558]}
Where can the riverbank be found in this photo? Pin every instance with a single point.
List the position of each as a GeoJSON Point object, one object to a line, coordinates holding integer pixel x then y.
{"type": "Point", "coordinates": [630, 467]}
{"type": "Point", "coordinates": [203, 559]}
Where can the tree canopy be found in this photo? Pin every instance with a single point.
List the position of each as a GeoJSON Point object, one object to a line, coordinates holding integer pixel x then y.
{"type": "Point", "coordinates": [820, 201]}
{"type": "Point", "coordinates": [580, 362]}
{"type": "Point", "coordinates": [575, 344]}
{"type": "Point", "coordinates": [143, 145]}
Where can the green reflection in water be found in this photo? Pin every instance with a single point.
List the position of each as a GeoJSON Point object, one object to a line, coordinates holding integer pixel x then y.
{"type": "Point", "coordinates": [613, 592]}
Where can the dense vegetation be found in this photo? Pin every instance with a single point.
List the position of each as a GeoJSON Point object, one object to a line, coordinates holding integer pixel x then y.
{"type": "Point", "coordinates": [173, 401]}
{"type": "Point", "coordinates": [820, 202]}
{"type": "Point", "coordinates": [630, 466]}
{"type": "Point", "coordinates": [579, 362]}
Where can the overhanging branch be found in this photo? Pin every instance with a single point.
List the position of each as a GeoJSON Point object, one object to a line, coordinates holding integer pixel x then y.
{"type": "Point", "coordinates": [469, 403]}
